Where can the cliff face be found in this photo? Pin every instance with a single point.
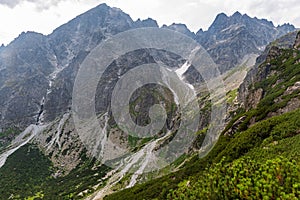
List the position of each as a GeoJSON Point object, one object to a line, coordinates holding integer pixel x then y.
{"type": "Point", "coordinates": [248, 95]}
{"type": "Point", "coordinates": [297, 43]}
{"type": "Point", "coordinates": [25, 65]}
{"type": "Point", "coordinates": [271, 88]}
{"type": "Point", "coordinates": [37, 72]}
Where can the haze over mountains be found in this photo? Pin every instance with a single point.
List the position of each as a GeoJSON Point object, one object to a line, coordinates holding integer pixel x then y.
{"type": "Point", "coordinates": [37, 74]}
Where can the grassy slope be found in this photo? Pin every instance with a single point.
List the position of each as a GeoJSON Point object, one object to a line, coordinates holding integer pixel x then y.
{"type": "Point", "coordinates": [23, 173]}
{"type": "Point", "coordinates": [28, 174]}
{"type": "Point", "coordinates": [267, 139]}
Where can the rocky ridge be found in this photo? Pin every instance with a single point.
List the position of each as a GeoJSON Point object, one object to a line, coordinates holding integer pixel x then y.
{"type": "Point", "coordinates": [38, 72]}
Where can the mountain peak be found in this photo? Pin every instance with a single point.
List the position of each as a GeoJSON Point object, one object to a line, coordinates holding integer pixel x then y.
{"type": "Point", "coordinates": [102, 5]}
{"type": "Point", "coordinates": [2, 47]}
{"type": "Point", "coordinates": [286, 27]}
{"type": "Point", "coordinates": [149, 22]}
{"type": "Point", "coordinates": [28, 37]}
{"type": "Point", "coordinates": [221, 16]}
{"type": "Point", "coordinates": [179, 25]}
{"type": "Point", "coordinates": [200, 31]}
{"type": "Point", "coordinates": [220, 21]}
{"type": "Point", "coordinates": [182, 28]}
{"type": "Point", "coordinates": [226, 31]}
{"type": "Point", "coordinates": [237, 14]}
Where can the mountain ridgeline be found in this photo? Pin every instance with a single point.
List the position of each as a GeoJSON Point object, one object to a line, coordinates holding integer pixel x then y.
{"type": "Point", "coordinates": [259, 64]}
{"type": "Point", "coordinates": [34, 63]}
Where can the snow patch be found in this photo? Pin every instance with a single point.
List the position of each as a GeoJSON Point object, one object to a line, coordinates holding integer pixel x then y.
{"type": "Point", "coordinates": [180, 71]}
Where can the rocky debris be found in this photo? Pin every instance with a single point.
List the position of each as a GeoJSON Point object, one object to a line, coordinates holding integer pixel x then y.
{"type": "Point", "coordinates": [235, 126]}
{"type": "Point", "coordinates": [291, 89]}
{"type": "Point", "coordinates": [273, 53]}
{"type": "Point", "coordinates": [254, 98]}
{"type": "Point", "coordinates": [292, 105]}
{"type": "Point", "coordinates": [60, 141]}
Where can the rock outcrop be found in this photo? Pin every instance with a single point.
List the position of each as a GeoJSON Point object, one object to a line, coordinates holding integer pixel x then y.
{"type": "Point", "coordinates": [37, 72]}
{"type": "Point", "coordinates": [260, 71]}
{"type": "Point", "coordinates": [297, 42]}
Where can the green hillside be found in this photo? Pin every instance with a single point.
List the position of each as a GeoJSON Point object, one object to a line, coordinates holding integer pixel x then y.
{"type": "Point", "coordinates": [259, 160]}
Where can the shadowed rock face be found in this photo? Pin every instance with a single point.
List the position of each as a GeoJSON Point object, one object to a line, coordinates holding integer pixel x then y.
{"type": "Point", "coordinates": [28, 63]}
{"type": "Point", "coordinates": [24, 67]}
{"type": "Point", "coordinates": [37, 74]}
{"type": "Point", "coordinates": [255, 75]}
{"type": "Point", "coordinates": [35, 67]}
{"type": "Point", "coordinates": [297, 42]}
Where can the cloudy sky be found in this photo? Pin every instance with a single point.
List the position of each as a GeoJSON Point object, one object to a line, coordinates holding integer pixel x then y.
{"type": "Point", "coordinates": [45, 15]}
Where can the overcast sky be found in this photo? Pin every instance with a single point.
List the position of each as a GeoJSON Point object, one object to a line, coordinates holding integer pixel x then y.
{"type": "Point", "coordinates": [45, 15]}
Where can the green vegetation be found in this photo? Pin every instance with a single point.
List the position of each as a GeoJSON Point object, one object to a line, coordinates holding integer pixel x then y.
{"type": "Point", "coordinates": [285, 74]}
{"type": "Point", "coordinates": [7, 136]}
{"type": "Point", "coordinates": [132, 140]}
{"type": "Point", "coordinates": [264, 132]}
{"type": "Point", "coordinates": [260, 161]}
{"type": "Point", "coordinates": [268, 137]}
{"type": "Point", "coordinates": [23, 173]}
{"type": "Point", "coordinates": [231, 95]}
{"type": "Point", "coordinates": [80, 182]}
{"type": "Point", "coordinates": [244, 178]}
{"type": "Point", "coordinates": [137, 143]}
{"type": "Point", "coordinates": [30, 176]}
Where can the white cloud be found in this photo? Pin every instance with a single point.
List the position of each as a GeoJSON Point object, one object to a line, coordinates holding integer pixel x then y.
{"type": "Point", "coordinates": [25, 16]}
{"type": "Point", "coordinates": [45, 15]}
{"type": "Point", "coordinates": [40, 4]}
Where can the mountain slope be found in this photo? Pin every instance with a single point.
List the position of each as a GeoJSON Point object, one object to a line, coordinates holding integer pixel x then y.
{"type": "Point", "coordinates": [64, 50]}
{"type": "Point", "coordinates": [32, 63]}
{"type": "Point", "coordinates": [24, 71]}
{"type": "Point", "coordinates": [37, 76]}
{"type": "Point", "coordinates": [257, 139]}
